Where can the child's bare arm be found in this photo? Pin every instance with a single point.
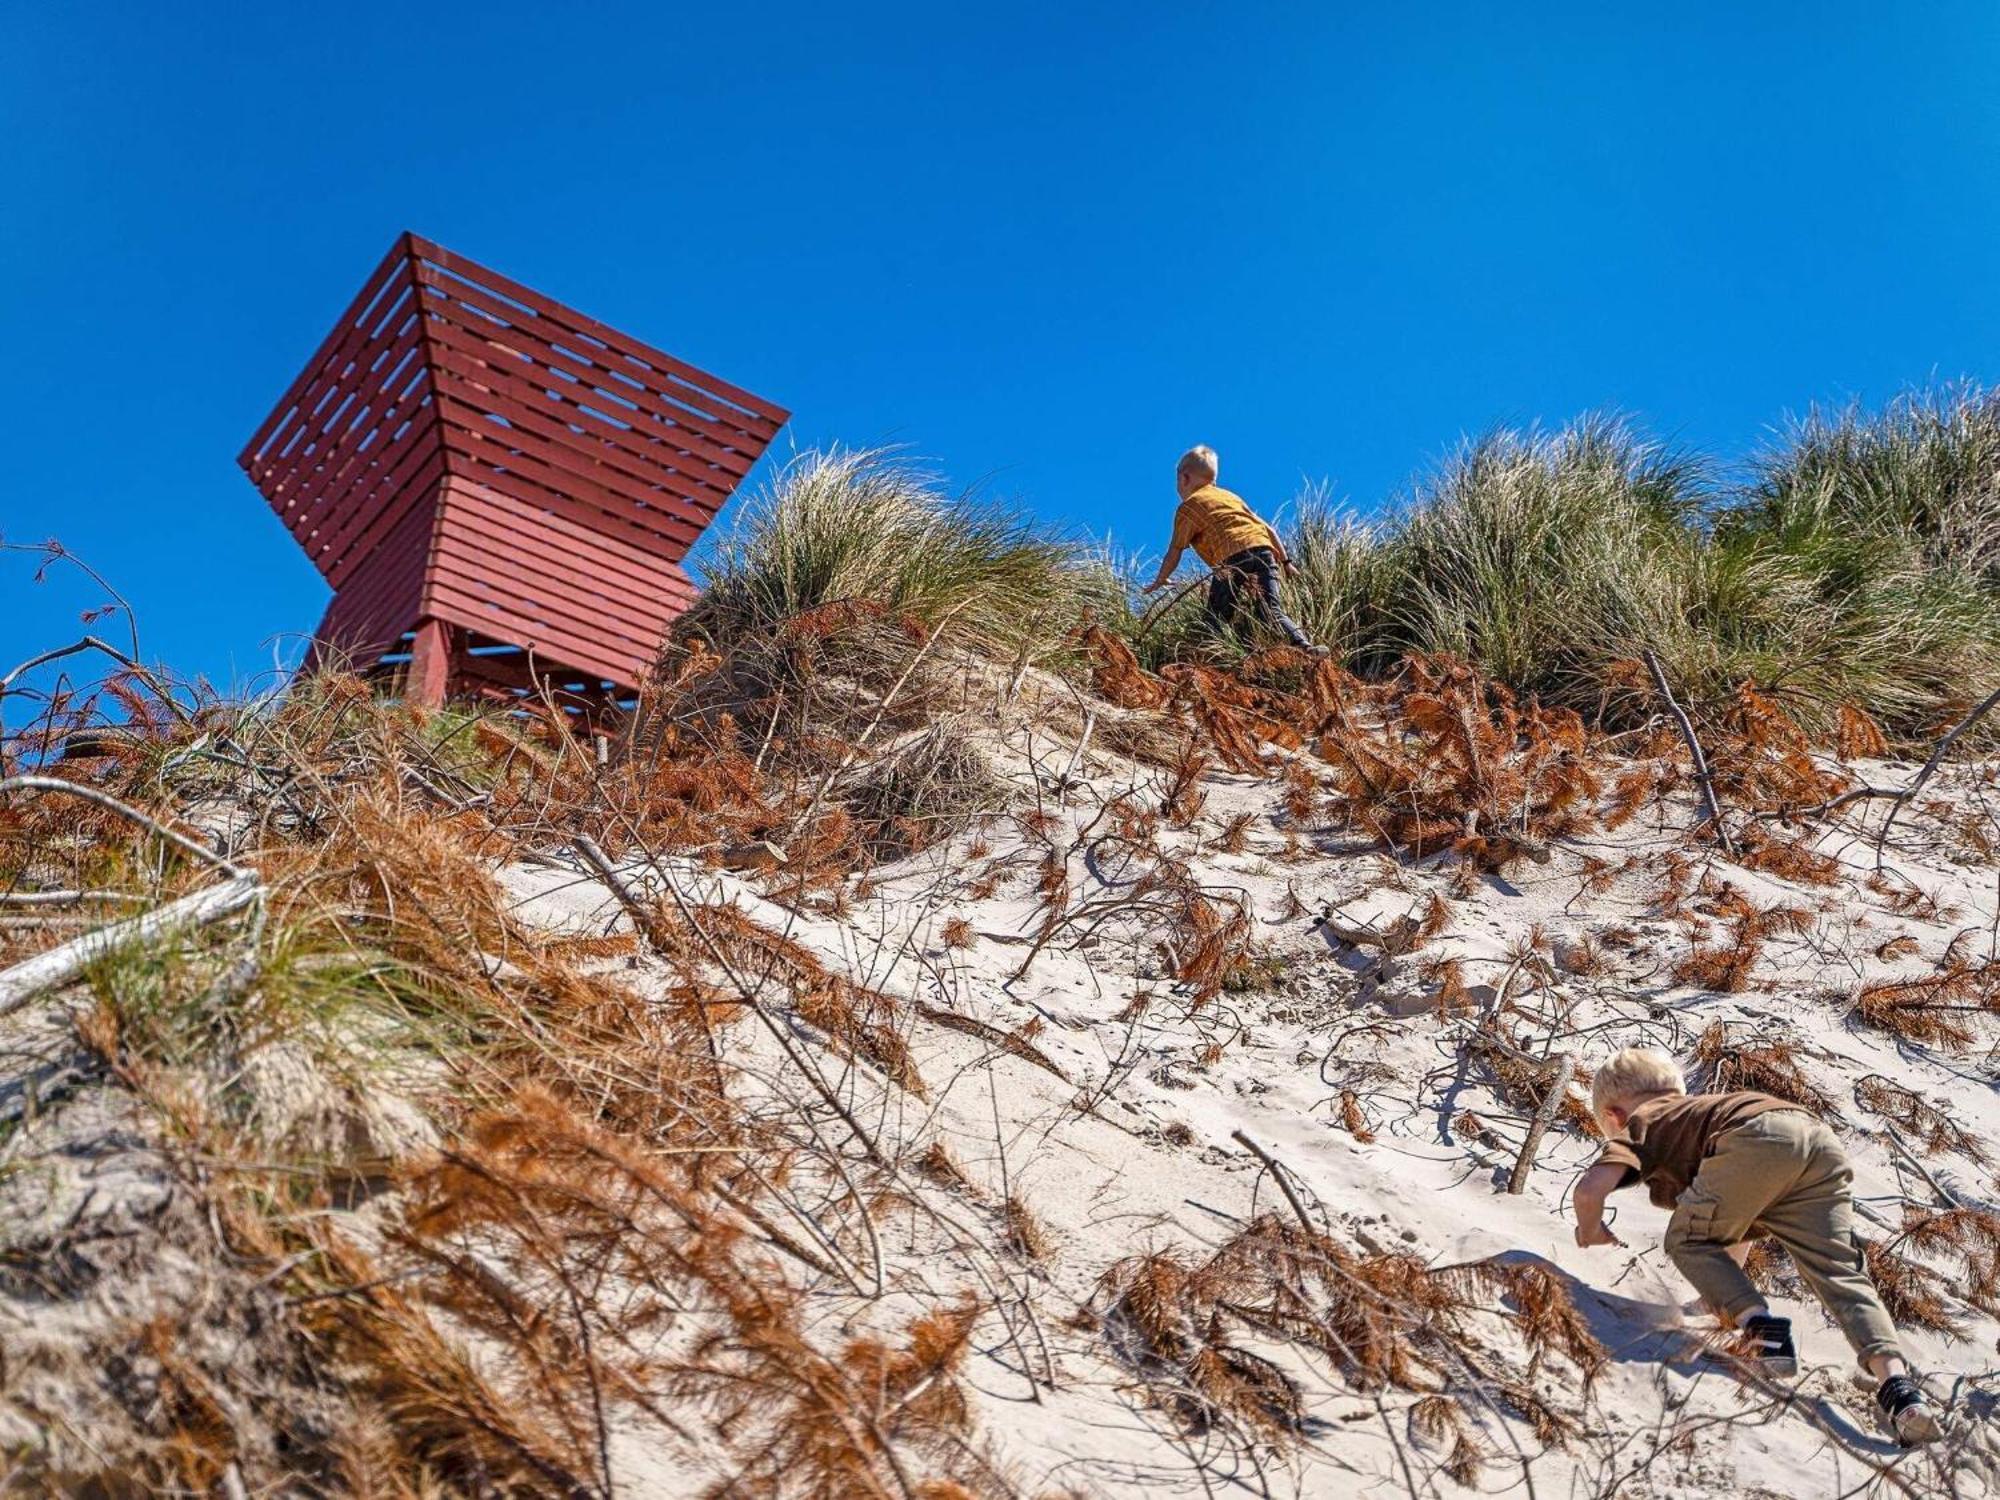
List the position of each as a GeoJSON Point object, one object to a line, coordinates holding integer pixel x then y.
{"type": "Point", "coordinates": [1176, 545]}
{"type": "Point", "coordinates": [1587, 1199]}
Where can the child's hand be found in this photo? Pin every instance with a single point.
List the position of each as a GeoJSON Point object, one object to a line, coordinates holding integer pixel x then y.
{"type": "Point", "coordinates": [1595, 1234]}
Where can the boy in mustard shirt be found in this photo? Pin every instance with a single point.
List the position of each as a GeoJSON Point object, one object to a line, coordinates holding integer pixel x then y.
{"type": "Point", "coordinates": [1242, 548]}
{"type": "Point", "coordinates": [1736, 1168]}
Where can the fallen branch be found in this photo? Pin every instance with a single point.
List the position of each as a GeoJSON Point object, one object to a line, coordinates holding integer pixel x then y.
{"type": "Point", "coordinates": [1395, 940]}
{"type": "Point", "coordinates": [60, 965]}
{"type": "Point", "coordinates": [1704, 778]}
{"type": "Point", "coordinates": [1006, 1041]}
{"type": "Point", "coordinates": [1938, 754]}
{"type": "Point", "coordinates": [110, 803]}
{"type": "Point", "coordinates": [1555, 1085]}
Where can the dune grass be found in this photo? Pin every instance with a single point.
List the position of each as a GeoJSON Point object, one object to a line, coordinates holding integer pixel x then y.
{"type": "Point", "coordinates": [1855, 564]}
{"type": "Point", "coordinates": [865, 526]}
{"type": "Point", "coordinates": [1858, 563]}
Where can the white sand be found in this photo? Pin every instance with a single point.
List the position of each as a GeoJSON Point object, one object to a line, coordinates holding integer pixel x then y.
{"type": "Point", "coordinates": [1109, 1184]}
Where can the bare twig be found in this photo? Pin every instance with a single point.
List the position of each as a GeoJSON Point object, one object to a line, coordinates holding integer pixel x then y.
{"type": "Point", "coordinates": [124, 809]}
{"type": "Point", "coordinates": [1938, 753]}
{"type": "Point", "coordinates": [1277, 1172]}
{"type": "Point", "coordinates": [1703, 777]}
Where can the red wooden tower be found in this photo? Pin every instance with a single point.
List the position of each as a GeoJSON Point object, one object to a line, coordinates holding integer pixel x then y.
{"type": "Point", "coordinates": [500, 490]}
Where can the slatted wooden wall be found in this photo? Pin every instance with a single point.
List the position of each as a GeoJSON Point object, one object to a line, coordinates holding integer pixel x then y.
{"type": "Point", "coordinates": [461, 448]}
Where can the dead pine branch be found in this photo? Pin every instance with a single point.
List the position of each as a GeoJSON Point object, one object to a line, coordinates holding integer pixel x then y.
{"type": "Point", "coordinates": [1704, 778]}
{"type": "Point", "coordinates": [1555, 1084]}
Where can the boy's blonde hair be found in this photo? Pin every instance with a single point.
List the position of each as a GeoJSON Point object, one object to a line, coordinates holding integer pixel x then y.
{"type": "Point", "coordinates": [1633, 1074]}
{"type": "Point", "coordinates": [1202, 458]}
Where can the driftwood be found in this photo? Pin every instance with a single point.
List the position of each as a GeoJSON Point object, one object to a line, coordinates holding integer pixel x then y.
{"type": "Point", "coordinates": [1396, 939]}
{"type": "Point", "coordinates": [1704, 778]}
{"type": "Point", "coordinates": [60, 965]}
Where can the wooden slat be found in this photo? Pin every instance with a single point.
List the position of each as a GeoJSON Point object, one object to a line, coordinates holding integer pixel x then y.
{"type": "Point", "coordinates": [532, 370]}
{"type": "Point", "coordinates": [358, 367]}
{"type": "Point", "coordinates": [477, 456]}
{"type": "Point", "coordinates": [353, 531]}
{"type": "Point", "coordinates": [630, 610]}
{"type": "Point", "coordinates": [296, 487]}
{"type": "Point", "coordinates": [580, 546]}
{"type": "Point", "coordinates": [529, 342]}
{"type": "Point", "coordinates": [615, 570]}
{"type": "Point", "coordinates": [516, 572]}
{"type": "Point", "coordinates": [755, 407]}
{"type": "Point", "coordinates": [361, 387]}
{"type": "Point", "coordinates": [566, 453]}
{"type": "Point", "coordinates": [399, 254]}
{"type": "Point", "coordinates": [324, 497]}
{"type": "Point", "coordinates": [562, 640]}
{"type": "Point", "coordinates": [598, 442]}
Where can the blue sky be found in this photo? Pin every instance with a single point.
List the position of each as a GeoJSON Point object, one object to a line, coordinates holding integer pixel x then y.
{"type": "Point", "coordinates": [1046, 246]}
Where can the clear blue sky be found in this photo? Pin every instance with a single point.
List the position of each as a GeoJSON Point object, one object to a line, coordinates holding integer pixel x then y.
{"type": "Point", "coordinates": [1047, 246]}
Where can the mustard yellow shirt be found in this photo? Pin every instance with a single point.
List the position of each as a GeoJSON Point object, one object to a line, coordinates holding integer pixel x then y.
{"type": "Point", "coordinates": [1218, 525]}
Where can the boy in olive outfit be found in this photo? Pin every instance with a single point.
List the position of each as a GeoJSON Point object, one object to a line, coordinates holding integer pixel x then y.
{"type": "Point", "coordinates": [1735, 1168]}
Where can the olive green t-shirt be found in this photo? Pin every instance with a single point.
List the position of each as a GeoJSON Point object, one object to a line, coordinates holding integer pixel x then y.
{"type": "Point", "coordinates": [1667, 1138]}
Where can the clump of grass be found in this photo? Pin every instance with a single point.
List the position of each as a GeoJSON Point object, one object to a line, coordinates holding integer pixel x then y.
{"type": "Point", "coordinates": [1543, 557]}
{"type": "Point", "coordinates": [867, 527]}
{"type": "Point", "coordinates": [926, 791]}
{"type": "Point", "coordinates": [1882, 534]}
{"type": "Point", "coordinates": [1340, 566]}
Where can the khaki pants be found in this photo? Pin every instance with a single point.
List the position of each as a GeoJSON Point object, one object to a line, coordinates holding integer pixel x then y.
{"type": "Point", "coordinates": [1780, 1175]}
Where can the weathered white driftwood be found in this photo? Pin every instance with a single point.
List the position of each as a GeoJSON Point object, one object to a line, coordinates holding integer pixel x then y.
{"type": "Point", "coordinates": [60, 965]}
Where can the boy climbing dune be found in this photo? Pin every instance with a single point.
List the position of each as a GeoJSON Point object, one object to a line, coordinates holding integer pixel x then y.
{"type": "Point", "coordinates": [1243, 549]}
{"type": "Point", "coordinates": [1736, 1168]}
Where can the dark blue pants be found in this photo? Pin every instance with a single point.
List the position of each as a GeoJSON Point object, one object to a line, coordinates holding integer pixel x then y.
{"type": "Point", "coordinates": [1251, 574]}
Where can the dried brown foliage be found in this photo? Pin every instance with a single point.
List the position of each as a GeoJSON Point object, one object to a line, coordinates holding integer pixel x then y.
{"type": "Point", "coordinates": [1933, 1126]}
{"type": "Point", "coordinates": [1727, 966]}
{"type": "Point", "coordinates": [1911, 1291]}
{"type": "Point", "coordinates": [1384, 1321]}
{"type": "Point", "coordinates": [1857, 736]}
{"type": "Point", "coordinates": [1724, 1062]}
{"type": "Point", "coordinates": [1763, 760]}
{"type": "Point", "coordinates": [1934, 1010]}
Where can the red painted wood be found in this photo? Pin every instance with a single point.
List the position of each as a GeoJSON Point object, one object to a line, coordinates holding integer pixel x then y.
{"type": "Point", "coordinates": [464, 457]}
{"type": "Point", "coordinates": [397, 259]}
{"type": "Point", "coordinates": [429, 674]}
{"type": "Point", "coordinates": [775, 416]}
{"type": "Point", "coordinates": [611, 392]}
{"type": "Point", "coordinates": [643, 458]}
